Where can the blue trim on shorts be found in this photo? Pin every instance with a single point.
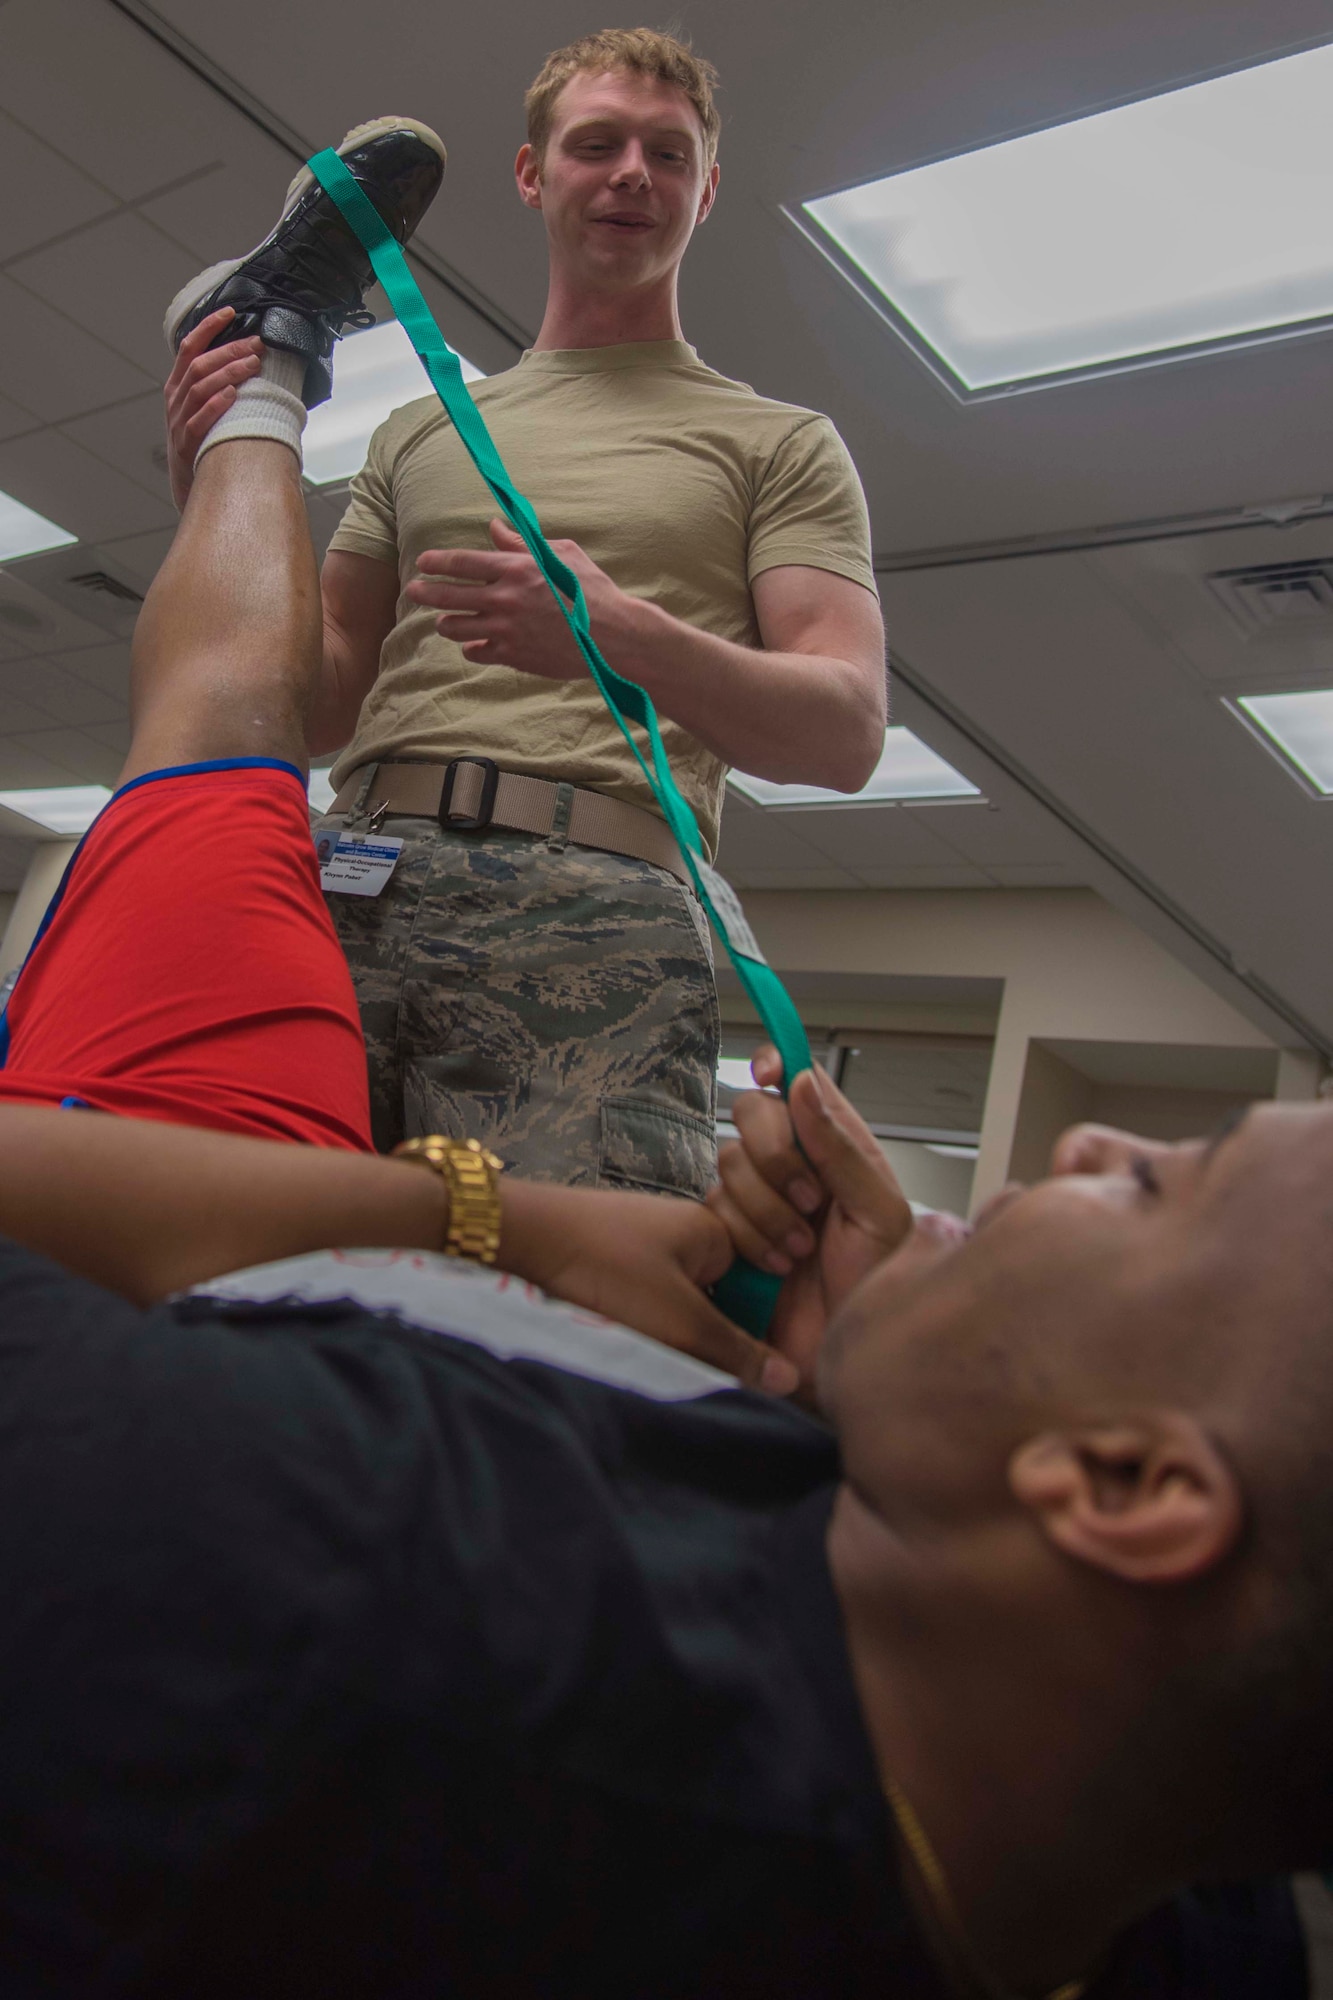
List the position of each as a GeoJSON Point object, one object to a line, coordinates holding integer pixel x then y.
{"type": "Point", "coordinates": [196, 770]}
{"type": "Point", "coordinates": [148, 778]}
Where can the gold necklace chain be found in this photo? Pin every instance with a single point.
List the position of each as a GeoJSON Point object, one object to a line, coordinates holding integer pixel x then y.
{"type": "Point", "coordinates": [936, 1884]}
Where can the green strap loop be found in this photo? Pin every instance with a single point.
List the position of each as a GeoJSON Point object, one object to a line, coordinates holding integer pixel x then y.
{"type": "Point", "coordinates": [745, 1294]}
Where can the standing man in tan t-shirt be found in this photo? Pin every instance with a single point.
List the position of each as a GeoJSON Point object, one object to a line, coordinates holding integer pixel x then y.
{"type": "Point", "coordinates": [536, 973]}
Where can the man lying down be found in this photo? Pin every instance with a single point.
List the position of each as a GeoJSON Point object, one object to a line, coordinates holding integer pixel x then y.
{"type": "Point", "coordinates": [371, 1652]}
{"type": "Point", "coordinates": [373, 1628]}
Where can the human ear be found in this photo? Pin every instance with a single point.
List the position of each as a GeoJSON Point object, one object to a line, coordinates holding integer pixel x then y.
{"type": "Point", "coordinates": [528, 174]}
{"type": "Point", "coordinates": [1150, 1500]}
{"type": "Point", "coordinates": [709, 195]}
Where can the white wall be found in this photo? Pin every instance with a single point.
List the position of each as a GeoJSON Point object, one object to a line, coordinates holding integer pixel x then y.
{"type": "Point", "coordinates": [1074, 970]}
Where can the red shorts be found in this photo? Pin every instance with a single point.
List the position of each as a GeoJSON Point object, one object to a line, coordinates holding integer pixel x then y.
{"type": "Point", "coordinates": [187, 969]}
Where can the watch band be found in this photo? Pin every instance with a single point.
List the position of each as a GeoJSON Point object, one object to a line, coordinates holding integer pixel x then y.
{"type": "Point", "coordinates": [472, 1176]}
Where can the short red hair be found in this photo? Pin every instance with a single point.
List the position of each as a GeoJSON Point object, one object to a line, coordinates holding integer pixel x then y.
{"type": "Point", "coordinates": [642, 51]}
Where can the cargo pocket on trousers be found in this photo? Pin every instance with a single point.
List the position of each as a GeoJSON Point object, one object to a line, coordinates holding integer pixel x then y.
{"type": "Point", "coordinates": [659, 1148]}
{"type": "Point", "coordinates": [460, 1097]}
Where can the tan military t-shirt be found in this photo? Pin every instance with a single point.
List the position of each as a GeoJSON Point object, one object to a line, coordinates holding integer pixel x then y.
{"type": "Point", "coordinates": [682, 485]}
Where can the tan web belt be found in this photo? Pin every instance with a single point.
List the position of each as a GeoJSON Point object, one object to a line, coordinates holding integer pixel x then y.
{"type": "Point", "coordinates": [470, 793]}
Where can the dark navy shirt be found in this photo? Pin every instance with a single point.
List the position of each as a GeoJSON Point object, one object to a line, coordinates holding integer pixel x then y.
{"type": "Point", "coordinates": [346, 1657]}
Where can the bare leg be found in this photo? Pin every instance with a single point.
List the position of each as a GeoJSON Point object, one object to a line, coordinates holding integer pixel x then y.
{"type": "Point", "coordinates": [229, 641]}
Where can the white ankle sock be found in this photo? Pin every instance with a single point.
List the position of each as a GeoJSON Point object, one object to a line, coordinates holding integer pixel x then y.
{"type": "Point", "coordinates": [267, 405]}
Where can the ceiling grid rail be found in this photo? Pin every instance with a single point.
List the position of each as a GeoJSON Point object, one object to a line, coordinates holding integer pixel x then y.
{"type": "Point", "coordinates": [1112, 535]}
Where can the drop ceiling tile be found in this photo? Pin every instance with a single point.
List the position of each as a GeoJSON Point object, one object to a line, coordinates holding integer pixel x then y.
{"type": "Point", "coordinates": [112, 736]}
{"type": "Point", "coordinates": [63, 698]}
{"type": "Point", "coordinates": [14, 421]}
{"type": "Point", "coordinates": [115, 279]}
{"type": "Point", "coordinates": [53, 367]}
{"type": "Point", "coordinates": [23, 768]}
{"type": "Point", "coordinates": [765, 840]}
{"type": "Point", "coordinates": [141, 555]}
{"type": "Point", "coordinates": [16, 679]}
{"type": "Point", "coordinates": [957, 877]}
{"type": "Point", "coordinates": [49, 196]}
{"type": "Point", "coordinates": [226, 211]}
{"type": "Point", "coordinates": [1037, 878]}
{"type": "Point", "coordinates": [130, 438]}
{"type": "Point", "coordinates": [88, 762]}
{"type": "Point", "coordinates": [791, 878]}
{"type": "Point", "coordinates": [35, 623]}
{"type": "Point", "coordinates": [997, 836]}
{"type": "Point", "coordinates": [60, 479]}
{"type": "Point", "coordinates": [861, 837]}
{"type": "Point", "coordinates": [17, 714]}
{"type": "Point", "coordinates": [104, 667]}
{"type": "Point", "coordinates": [125, 111]}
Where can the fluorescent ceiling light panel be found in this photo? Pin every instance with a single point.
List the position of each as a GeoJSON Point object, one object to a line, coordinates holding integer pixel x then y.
{"type": "Point", "coordinates": [1301, 727]}
{"type": "Point", "coordinates": [67, 809]}
{"type": "Point", "coordinates": [23, 533]}
{"type": "Point", "coordinates": [374, 373]}
{"type": "Point", "coordinates": [1194, 218]}
{"type": "Point", "coordinates": [907, 770]}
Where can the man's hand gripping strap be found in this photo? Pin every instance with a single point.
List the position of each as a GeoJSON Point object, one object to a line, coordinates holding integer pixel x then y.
{"type": "Point", "coordinates": [745, 1294]}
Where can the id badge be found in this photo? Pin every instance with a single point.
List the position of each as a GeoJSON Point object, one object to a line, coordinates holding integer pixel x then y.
{"type": "Point", "coordinates": [356, 864]}
{"type": "Point", "coordinates": [731, 918]}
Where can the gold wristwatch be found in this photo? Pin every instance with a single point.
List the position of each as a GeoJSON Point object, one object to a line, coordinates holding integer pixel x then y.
{"type": "Point", "coordinates": [472, 1176]}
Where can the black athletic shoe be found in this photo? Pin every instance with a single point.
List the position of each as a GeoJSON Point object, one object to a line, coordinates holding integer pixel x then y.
{"type": "Point", "coordinates": [306, 281]}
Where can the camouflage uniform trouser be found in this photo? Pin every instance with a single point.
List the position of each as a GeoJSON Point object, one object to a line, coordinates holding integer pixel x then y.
{"type": "Point", "coordinates": [556, 1003]}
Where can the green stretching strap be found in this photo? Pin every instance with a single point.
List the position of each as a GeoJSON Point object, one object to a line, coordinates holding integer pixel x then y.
{"type": "Point", "coordinates": [745, 1294]}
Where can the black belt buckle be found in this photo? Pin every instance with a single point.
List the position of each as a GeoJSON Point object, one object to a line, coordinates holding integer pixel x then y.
{"type": "Point", "coordinates": [469, 822]}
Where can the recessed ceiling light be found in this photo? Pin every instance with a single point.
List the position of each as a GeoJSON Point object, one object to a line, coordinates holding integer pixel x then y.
{"type": "Point", "coordinates": [1193, 219]}
{"type": "Point", "coordinates": [374, 373]}
{"type": "Point", "coordinates": [24, 533]}
{"type": "Point", "coordinates": [67, 809]}
{"type": "Point", "coordinates": [1300, 727]}
{"type": "Point", "coordinates": [907, 770]}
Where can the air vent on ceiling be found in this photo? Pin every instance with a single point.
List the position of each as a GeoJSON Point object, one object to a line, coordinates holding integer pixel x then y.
{"type": "Point", "coordinates": [1265, 595]}
{"type": "Point", "coordinates": [82, 583]}
{"type": "Point", "coordinates": [107, 586]}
